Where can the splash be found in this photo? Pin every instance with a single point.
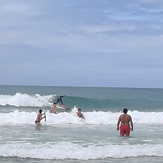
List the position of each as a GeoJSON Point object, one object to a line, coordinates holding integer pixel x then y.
{"type": "Point", "coordinates": [91, 118]}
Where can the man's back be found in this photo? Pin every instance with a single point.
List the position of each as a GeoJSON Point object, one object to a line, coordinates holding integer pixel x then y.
{"type": "Point", "coordinates": [125, 121]}
{"type": "Point", "coordinates": [125, 118]}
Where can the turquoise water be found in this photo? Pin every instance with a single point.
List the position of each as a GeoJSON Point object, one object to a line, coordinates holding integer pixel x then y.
{"type": "Point", "coordinates": [65, 137]}
{"type": "Point", "coordinates": [92, 98]}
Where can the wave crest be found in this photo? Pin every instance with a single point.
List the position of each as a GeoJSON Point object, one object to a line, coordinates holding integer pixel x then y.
{"type": "Point", "coordinates": [20, 99]}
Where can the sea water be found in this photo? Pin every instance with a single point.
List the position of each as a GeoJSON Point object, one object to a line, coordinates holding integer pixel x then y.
{"type": "Point", "coordinates": [64, 137]}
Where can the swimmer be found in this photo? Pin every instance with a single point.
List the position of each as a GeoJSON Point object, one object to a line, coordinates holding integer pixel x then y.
{"type": "Point", "coordinates": [125, 120]}
{"type": "Point", "coordinates": [80, 114]}
{"type": "Point", "coordinates": [40, 117]}
{"type": "Point", "coordinates": [54, 108]}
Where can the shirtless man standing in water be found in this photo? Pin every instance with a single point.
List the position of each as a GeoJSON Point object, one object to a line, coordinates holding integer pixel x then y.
{"type": "Point", "coordinates": [126, 123]}
{"type": "Point", "coordinates": [54, 108]}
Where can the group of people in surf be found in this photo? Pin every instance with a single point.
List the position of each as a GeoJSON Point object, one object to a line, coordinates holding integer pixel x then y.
{"type": "Point", "coordinates": [42, 115]}
{"type": "Point", "coordinates": [124, 124]}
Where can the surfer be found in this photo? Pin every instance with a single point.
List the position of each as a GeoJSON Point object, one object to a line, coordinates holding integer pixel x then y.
{"type": "Point", "coordinates": [80, 114]}
{"type": "Point", "coordinates": [54, 108]}
{"type": "Point", "coordinates": [59, 100]}
{"type": "Point", "coordinates": [126, 123]}
{"type": "Point", "coordinates": [40, 117]}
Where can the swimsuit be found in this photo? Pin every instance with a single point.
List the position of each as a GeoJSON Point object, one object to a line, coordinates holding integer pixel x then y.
{"type": "Point", "coordinates": [125, 130]}
{"type": "Point", "coordinates": [38, 118]}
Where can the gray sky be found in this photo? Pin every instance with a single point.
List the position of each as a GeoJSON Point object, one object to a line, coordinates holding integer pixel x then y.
{"type": "Point", "coordinates": [102, 43]}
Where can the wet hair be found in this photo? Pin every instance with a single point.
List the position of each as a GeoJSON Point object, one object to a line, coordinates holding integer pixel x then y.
{"type": "Point", "coordinates": [79, 109]}
{"type": "Point", "coordinates": [40, 111]}
{"type": "Point", "coordinates": [125, 110]}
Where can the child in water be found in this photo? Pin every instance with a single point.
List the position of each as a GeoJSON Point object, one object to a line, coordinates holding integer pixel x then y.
{"type": "Point", "coordinates": [80, 114]}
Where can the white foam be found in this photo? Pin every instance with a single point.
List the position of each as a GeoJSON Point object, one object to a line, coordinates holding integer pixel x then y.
{"type": "Point", "coordinates": [67, 150]}
{"type": "Point", "coordinates": [96, 118]}
{"type": "Point", "coordinates": [20, 99]}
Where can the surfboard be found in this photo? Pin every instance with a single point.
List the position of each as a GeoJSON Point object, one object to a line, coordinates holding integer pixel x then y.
{"type": "Point", "coordinates": [44, 116]}
{"type": "Point", "coordinates": [62, 106]}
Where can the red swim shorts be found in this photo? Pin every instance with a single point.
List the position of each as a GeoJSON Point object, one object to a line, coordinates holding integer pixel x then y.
{"type": "Point", "coordinates": [125, 130]}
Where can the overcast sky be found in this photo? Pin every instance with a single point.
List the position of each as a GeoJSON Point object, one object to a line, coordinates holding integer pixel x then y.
{"type": "Point", "coordinates": [105, 43]}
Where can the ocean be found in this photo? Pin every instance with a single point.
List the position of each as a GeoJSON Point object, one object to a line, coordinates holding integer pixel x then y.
{"type": "Point", "coordinates": [64, 137]}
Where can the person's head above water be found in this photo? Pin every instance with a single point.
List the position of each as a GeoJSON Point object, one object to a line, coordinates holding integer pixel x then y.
{"type": "Point", "coordinates": [79, 109]}
{"type": "Point", "coordinates": [125, 110]}
{"type": "Point", "coordinates": [40, 111]}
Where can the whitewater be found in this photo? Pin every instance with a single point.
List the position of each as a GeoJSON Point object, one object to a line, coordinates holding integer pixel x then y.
{"type": "Point", "coordinates": [66, 137]}
{"type": "Point", "coordinates": [91, 118]}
